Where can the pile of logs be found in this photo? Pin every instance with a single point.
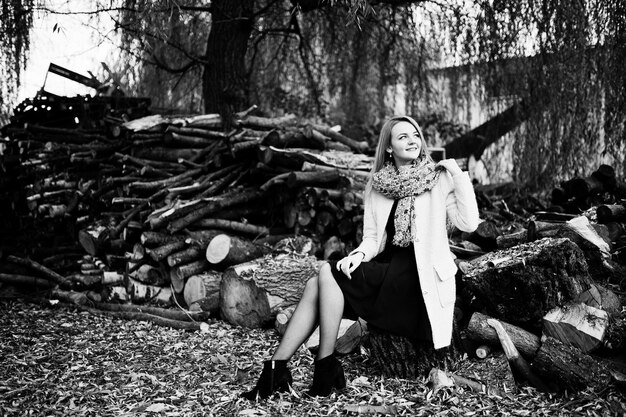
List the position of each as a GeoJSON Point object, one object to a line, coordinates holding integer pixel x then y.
{"type": "Point", "coordinates": [155, 212]}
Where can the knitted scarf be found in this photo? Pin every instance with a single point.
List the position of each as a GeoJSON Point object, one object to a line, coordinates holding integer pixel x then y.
{"type": "Point", "coordinates": [404, 186]}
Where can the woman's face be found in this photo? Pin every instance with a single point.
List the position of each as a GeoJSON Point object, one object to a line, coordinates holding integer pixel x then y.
{"type": "Point", "coordinates": [406, 144]}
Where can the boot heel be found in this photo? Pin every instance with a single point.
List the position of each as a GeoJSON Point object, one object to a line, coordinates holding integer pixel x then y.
{"type": "Point", "coordinates": [275, 377]}
{"type": "Point", "coordinates": [340, 382]}
{"type": "Point", "coordinates": [328, 374]}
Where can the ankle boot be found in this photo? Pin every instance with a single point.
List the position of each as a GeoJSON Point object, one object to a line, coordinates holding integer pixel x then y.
{"type": "Point", "coordinates": [275, 377]}
{"type": "Point", "coordinates": [328, 374]}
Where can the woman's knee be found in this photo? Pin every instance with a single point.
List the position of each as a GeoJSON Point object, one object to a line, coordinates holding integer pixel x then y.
{"type": "Point", "coordinates": [312, 282]}
{"type": "Point", "coordinates": [325, 271]}
{"type": "Point", "coordinates": [325, 274]}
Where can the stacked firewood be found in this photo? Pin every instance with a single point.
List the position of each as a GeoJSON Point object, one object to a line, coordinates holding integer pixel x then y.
{"type": "Point", "coordinates": [172, 200]}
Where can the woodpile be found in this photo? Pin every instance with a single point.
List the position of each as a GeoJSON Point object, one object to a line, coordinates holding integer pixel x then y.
{"type": "Point", "coordinates": [178, 213]}
{"type": "Point", "coordinates": [170, 204]}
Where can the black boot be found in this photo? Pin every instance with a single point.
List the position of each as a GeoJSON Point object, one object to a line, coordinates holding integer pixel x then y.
{"type": "Point", "coordinates": [275, 377]}
{"type": "Point", "coordinates": [328, 374]}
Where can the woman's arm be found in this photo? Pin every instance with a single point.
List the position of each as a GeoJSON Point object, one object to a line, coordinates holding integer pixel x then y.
{"type": "Point", "coordinates": [369, 245]}
{"type": "Point", "coordinates": [461, 206]}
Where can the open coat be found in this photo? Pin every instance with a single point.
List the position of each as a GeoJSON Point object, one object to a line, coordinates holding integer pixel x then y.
{"type": "Point", "coordinates": [452, 196]}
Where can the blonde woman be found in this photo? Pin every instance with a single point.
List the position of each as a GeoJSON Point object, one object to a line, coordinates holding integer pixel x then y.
{"type": "Point", "coordinates": [401, 277]}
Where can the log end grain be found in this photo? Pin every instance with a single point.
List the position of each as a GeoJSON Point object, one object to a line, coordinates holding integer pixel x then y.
{"type": "Point", "coordinates": [202, 291]}
{"type": "Point", "coordinates": [218, 249]}
{"type": "Point", "coordinates": [242, 303]}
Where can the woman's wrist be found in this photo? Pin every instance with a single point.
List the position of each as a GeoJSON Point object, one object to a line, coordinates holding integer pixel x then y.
{"type": "Point", "coordinates": [358, 252]}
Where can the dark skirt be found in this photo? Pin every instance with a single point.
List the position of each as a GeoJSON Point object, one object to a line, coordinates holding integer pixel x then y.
{"type": "Point", "coordinates": [386, 293]}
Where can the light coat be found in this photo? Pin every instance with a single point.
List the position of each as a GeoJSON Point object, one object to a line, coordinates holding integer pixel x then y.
{"type": "Point", "coordinates": [452, 196]}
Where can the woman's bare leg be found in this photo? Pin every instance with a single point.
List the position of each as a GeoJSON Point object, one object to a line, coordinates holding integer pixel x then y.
{"type": "Point", "coordinates": [330, 311]}
{"type": "Point", "coordinates": [302, 322]}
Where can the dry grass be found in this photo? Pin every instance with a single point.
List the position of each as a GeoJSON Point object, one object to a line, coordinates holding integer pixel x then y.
{"type": "Point", "coordinates": [55, 360]}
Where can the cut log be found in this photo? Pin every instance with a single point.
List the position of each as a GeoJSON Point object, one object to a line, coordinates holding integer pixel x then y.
{"type": "Point", "coordinates": [47, 273]}
{"type": "Point", "coordinates": [583, 187]}
{"type": "Point", "coordinates": [112, 278]}
{"type": "Point", "coordinates": [159, 153]}
{"type": "Point", "coordinates": [600, 297]}
{"type": "Point", "coordinates": [570, 368]}
{"type": "Point", "coordinates": [349, 338]}
{"type": "Point", "coordinates": [201, 237]}
{"type": "Point", "coordinates": [225, 251]}
{"type": "Point", "coordinates": [167, 313]}
{"type": "Point", "coordinates": [94, 239]}
{"type": "Point", "coordinates": [115, 293]}
{"type": "Point", "coordinates": [233, 226]}
{"type": "Point", "coordinates": [163, 251]}
{"type": "Point", "coordinates": [269, 122]}
{"type": "Point", "coordinates": [519, 367]}
{"type": "Point", "coordinates": [525, 342]}
{"type": "Point", "coordinates": [164, 215]}
{"type": "Point", "coordinates": [251, 294]}
{"type": "Point", "coordinates": [151, 275]}
{"type": "Point", "coordinates": [303, 178]}
{"type": "Point", "coordinates": [85, 281]}
{"type": "Point", "coordinates": [190, 254]}
{"type": "Point", "coordinates": [159, 184]}
{"type": "Point", "coordinates": [513, 239]}
{"type": "Point", "coordinates": [578, 325]}
{"type": "Point", "coordinates": [282, 319]}
{"type": "Point", "coordinates": [293, 139]}
{"type": "Point", "coordinates": [202, 292]}
{"type": "Point", "coordinates": [149, 294]}
{"type": "Point", "coordinates": [521, 284]}
{"type": "Point", "coordinates": [611, 213]}
{"type": "Point", "coordinates": [353, 144]}
{"type": "Point", "coordinates": [483, 351]}
{"type": "Point", "coordinates": [30, 282]}
{"type": "Point", "coordinates": [213, 206]}
{"type": "Point", "coordinates": [398, 357]}
{"type": "Point", "coordinates": [484, 236]}
{"type": "Point", "coordinates": [180, 273]}
{"type": "Point", "coordinates": [188, 140]}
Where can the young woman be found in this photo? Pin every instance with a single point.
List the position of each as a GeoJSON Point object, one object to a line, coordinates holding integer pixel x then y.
{"type": "Point", "coordinates": [401, 277]}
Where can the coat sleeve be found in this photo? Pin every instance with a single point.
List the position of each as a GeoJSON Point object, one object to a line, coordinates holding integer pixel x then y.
{"type": "Point", "coordinates": [369, 244]}
{"type": "Point", "coordinates": [461, 205]}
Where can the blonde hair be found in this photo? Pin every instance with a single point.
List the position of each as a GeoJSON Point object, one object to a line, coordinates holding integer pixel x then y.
{"type": "Point", "coordinates": [384, 141]}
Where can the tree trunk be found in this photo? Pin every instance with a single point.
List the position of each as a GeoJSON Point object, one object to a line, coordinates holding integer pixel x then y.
{"type": "Point", "coordinates": [398, 357]}
{"type": "Point", "coordinates": [569, 367]}
{"type": "Point", "coordinates": [477, 140]}
{"type": "Point", "coordinates": [224, 81]}
{"type": "Point", "coordinates": [251, 294]}
{"type": "Point", "coordinates": [521, 284]}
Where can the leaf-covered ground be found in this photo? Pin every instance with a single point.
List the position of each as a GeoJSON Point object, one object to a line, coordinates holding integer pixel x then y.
{"type": "Point", "coordinates": [55, 360]}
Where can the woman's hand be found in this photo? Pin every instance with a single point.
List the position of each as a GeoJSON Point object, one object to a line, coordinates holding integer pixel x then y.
{"type": "Point", "coordinates": [349, 263]}
{"type": "Point", "coordinates": [450, 165]}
